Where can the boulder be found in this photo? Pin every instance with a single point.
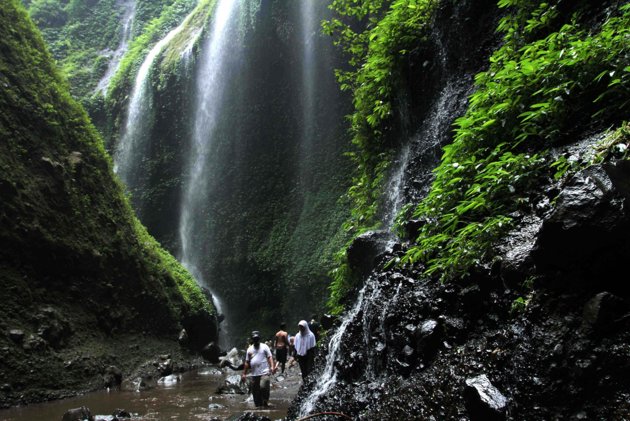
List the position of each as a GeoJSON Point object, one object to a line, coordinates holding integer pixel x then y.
{"type": "Point", "coordinates": [112, 377]}
{"type": "Point", "coordinates": [169, 380]}
{"type": "Point", "coordinates": [16, 335]}
{"type": "Point", "coordinates": [201, 329]}
{"type": "Point", "coordinates": [183, 337]}
{"type": "Point", "coordinates": [165, 365]}
{"type": "Point", "coordinates": [121, 413]}
{"type": "Point", "coordinates": [233, 385]}
{"type": "Point", "coordinates": [53, 327]}
{"type": "Point", "coordinates": [328, 320]}
{"type": "Point", "coordinates": [78, 414]}
{"type": "Point", "coordinates": [428, 337]}
{"type": "Point", "coordinates": [364, 250]}
{"type": "Point", "coordinates": [601, 311]}
{"type": "Point", "coordinates": [585, 236]}
{"type": "Point", "coordinates": [211, 352]}
{"type": "Point", "coordinates": [484, 401]}
{"type": "Point", "coordinates": [515, 251]}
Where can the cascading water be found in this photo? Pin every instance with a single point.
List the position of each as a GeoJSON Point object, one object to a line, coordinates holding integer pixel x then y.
{"type": "Point", "coordinates": [212, 73]}
{"type": "Point", "coordinates": [329, 375]}
{"type": "Point", "coordinates": [129, 7]}
{"type": "Point", "coordinates": [309, 34]}
{"type": "Point", "coordinates": [422, 152]}
{"type": "Point", "coordinates": [394, 189]}
{"type": "Point", "coordinates": [130, 149]}
{"type": "Point", "coordinates": [419, 157]}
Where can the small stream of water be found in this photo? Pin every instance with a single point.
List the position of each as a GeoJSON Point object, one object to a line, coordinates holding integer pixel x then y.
{"type": "Point", "coordinates": [193, 398]}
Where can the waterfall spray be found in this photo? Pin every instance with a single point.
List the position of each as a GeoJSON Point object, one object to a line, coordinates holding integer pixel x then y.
{"type": "Point", "coordinates": [209, 97]}
{"type": "Point", "coordinates": [129, 7]}
{"type": "Point", "coordinates": [308, 23]}
{"type": "Point", "coordinates": [130, 148]}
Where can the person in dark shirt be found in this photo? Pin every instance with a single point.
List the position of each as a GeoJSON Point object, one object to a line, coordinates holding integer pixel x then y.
{"type": "Point", "coordinates": [314, 326]}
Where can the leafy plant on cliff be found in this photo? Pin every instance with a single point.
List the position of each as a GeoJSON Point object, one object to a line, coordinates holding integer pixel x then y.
{"type": "Point", "coordinates": [376, 35]}
{"type": "Point", "coordinates": [541, 86]}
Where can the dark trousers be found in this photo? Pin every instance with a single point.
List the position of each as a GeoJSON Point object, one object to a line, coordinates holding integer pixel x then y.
{"type": "Point", "coordinates": [306, 362]}
{"type": "Point", "coordinates": [260, 387]}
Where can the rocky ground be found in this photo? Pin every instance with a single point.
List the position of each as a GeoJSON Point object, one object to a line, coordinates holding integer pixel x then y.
{"type": "Point", "coordinates": [95, 364]}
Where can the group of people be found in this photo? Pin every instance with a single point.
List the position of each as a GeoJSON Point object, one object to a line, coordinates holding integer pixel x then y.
{"type": "Point", "coordinates": [259, 363]}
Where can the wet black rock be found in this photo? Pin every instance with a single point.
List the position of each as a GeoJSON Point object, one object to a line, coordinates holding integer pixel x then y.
{"type": "Point", "coordinates": [483, 400]}
{"type": "Point", "coordinates": [16, 335]}
{"type": "Point", "coordinates": [164, 365]}
{"type": "Point", "coordinates": [201, 330]}
{"type": "Point", "coordinates": [327, 321]}
{"type": "Point", "coordinates": [112, 377]}
{"type": "Point", "coordinates": [183, 337]}
{"type": "Point", "coordinates": [586, 232]}
{"type": "Point", "coordinates": [427, 338]}
{"type": "Point", "coordinates": [364, 250]}
{"type": "Point", "coordinates": [232, 386]}
{"type": "Point", "coordinates": [78, 414]}
{"type": "Point", "coordinates": [211, 352]}
{"type": "Point", "coordinates": [250, 416]}
{"type": "Point", "coordinates": [601, 311]}
{"type": "Point", "coordinates": [121, 413]}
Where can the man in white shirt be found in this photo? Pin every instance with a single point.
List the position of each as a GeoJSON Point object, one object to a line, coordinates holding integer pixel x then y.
{"type": "Point", "coordinates": [260, 361]}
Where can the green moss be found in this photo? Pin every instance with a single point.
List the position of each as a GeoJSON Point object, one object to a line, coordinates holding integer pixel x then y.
{"type": "Point", "coordinates": [189, 37]}
{"type": "Point", "coordinates": [377, 54]}
{"type": "Point", "coordinates": [556, 73]}
{"type": "Point", "coordinates": [63, 214]}
{"type": "Point", "coordinates": [537, 91]}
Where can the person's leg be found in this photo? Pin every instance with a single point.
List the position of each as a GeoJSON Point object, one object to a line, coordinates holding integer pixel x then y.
{"type": "Point", "coordinates": [255, 386]}
{"type": "Point", "coordinates": [281, 356]}
{"type": "Point", "coordinates": [265, 389]}
{"type": "Point", "coordinates": [310, 360]}
{"type": "Point", "coordinates": [303, 361]}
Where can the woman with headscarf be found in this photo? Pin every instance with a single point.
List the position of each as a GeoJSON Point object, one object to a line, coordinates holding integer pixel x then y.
{"type": "Point", "coordinates": [305, 348]}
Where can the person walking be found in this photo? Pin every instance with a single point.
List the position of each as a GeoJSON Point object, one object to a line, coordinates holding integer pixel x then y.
{"type": "Point", "coordinates": [305, 348]}
{"type": "Point", "coordinates": [260, 361]}
{"type": "Point", "coordinates": [281, 344]}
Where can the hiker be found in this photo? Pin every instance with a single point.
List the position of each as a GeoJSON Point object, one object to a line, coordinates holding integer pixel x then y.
{"type": "Point", "coordinates": [281, 344]}
{"type": "Point", "coordinates": [305, 348]}
{"type": "Point", "coordinates": [260, 361]}
{"type": "Point", "coordinates": [314, 326]}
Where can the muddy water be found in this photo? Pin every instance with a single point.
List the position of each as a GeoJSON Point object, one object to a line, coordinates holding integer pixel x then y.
{"type": "Point", "coordinates": [192, 398]}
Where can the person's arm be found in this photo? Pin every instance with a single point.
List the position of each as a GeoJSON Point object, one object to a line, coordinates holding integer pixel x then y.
{"type": "Point", "coordinates": [245, 368]}
{"type": "Point", "coordinates": [272, 367]}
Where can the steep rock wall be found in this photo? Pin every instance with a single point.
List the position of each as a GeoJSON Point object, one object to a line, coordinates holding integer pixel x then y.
{"type": "Point", "coordinates": [79, 274]}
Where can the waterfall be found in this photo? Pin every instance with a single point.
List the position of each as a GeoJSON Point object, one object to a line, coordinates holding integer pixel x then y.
{"type": "Point", "coordinates": [130, 147]}
{"type": "Point", "coordinates": [394, 189]}
{"type": "Point", "coordinates": [329, 376]}
{"type": "Point", "coordinates": [372, 305]}
{"type": "Point", "coordinates": [309, 34]}
{"type": "Point", "coordinates": [422, 151]}
{"type": "Point", "coordinates": [129, 7]}
{"type": "Point", "coordinates": [211, 77]}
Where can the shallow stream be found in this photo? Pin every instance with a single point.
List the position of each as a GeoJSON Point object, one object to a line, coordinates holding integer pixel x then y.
{"type": "Point", "coordinates": [194, 397]}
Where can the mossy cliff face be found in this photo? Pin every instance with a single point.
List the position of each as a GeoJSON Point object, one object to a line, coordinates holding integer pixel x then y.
{"type": "Point", "coordinates": [273, 216]}
{"type": "Point", "coordinates": [76, 267]}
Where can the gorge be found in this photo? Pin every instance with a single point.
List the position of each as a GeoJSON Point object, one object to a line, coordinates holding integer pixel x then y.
{"type": "Point", "coordinates": [446, 180]}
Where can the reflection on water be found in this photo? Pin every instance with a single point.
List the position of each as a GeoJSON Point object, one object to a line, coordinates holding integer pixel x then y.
{"type": "Point", "coordinates": [193, 398]}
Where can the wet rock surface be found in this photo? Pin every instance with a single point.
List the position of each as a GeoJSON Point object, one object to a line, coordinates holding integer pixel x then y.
{"type": "Point", "coordinates": [540, 333]}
